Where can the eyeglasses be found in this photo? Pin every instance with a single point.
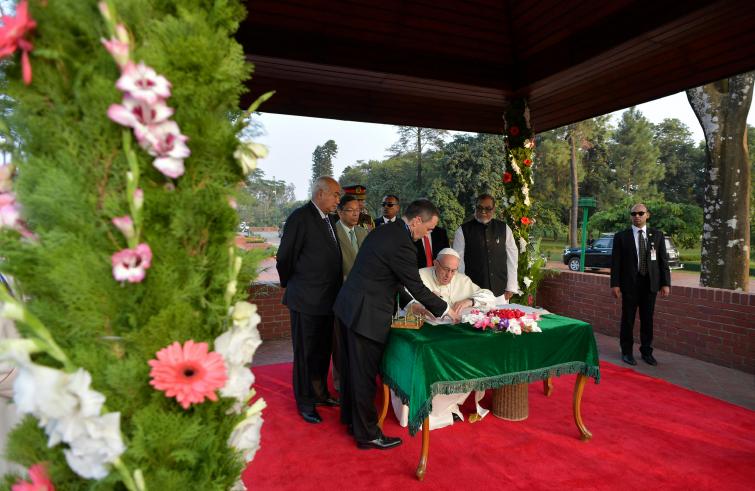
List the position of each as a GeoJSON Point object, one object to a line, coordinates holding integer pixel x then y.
{"type": "Point", "coordinates": [447, 270]}
{"type": "Point", "coordinates": [389, 205]}
{"type": "Point", "coordinates": [350, 210]}
{"type": "Point", "coordinates": [486, 209]}
{"type": "Point", "coordinates": [637, 213]}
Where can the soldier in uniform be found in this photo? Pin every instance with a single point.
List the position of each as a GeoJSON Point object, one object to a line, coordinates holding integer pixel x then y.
{"type": "Point", "coordinates": [360, 193]}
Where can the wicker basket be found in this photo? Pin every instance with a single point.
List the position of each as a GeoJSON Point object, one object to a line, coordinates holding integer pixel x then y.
{"type": "Point", "coordinates": [510, 402]}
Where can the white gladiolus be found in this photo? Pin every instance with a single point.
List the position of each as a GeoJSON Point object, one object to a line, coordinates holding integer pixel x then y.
{"type": "Point", "coordinates": [527, 281]}
{"type": "Point", "coordinates": [90, 453]}
{"type": "Point", "coordinates": [238, 344]}
{"type": "Point", "coordinates": [522, 244]}
{"type": "Point", "coordinates": [40, 391]}
{"type": "Point", "coordinates": [239, 384]}
{"type": "Point", "coordinates": [89, 404]}
{"type": "Point", "coordinates": [246, 435]}
{"type": "Point", "coordinates": [247, 154]}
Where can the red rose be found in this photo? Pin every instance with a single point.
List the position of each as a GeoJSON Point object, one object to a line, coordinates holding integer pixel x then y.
{"type": "Point", "coordinates": [514, 130]}
{"type": "Point", "coordinates": [526, 221]}
{"type": "Point", "coordinates": [527, 162]}
{"type": "Point", "coordinates": [507, 177]}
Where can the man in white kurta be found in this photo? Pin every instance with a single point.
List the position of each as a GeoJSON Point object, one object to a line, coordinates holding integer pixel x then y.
{"type": "Point", "coordinates": [460, 293]}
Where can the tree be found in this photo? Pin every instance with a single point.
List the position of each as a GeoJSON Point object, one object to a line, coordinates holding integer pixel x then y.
{"type": "Point", "coordinates": [552, 170]}
{"type": "Point", "coordinates": [473, 165]}
{"type": "Point", "coordinates": [722, 107]}
{"type": "Point", "coordinates": [599, 179]}
{"type": "Point", "coordinates": [683, 161]}
{"type": "Point", "coordinates": [634, 156]}
{"type": "Point", "coordinates": [322, 159]}
{"type": "Point", "coordinates": [261, 201]}
{"type": "Point", "coordinates": [416, 140]}
{"type": "Point", "coordinates": [578, 137]}
{"type": "Point", "coordinates": [681, 221]}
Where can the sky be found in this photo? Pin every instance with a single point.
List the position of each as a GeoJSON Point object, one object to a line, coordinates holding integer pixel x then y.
{"type": "Point", "coordinates": [292, 139]}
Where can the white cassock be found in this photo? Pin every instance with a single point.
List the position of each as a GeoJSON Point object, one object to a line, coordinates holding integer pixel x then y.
{"type": "Point", "coordinates": [445, 406]}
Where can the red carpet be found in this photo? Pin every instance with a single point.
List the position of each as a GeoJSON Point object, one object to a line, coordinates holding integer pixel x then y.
{"type": "Point", "coordinates": [647, 435]}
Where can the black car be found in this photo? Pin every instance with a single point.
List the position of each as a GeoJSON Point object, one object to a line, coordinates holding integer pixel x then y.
{"type": "Point", "coordinates": [598, 254]}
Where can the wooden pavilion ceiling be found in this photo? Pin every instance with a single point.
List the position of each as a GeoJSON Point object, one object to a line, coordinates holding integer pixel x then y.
{"type": "Point", "coordinates": [453, 63]}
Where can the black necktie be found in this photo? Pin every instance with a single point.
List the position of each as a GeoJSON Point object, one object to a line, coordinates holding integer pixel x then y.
{"type": "Point", "coordinates": [642, 254]}
{"type": "Point", "coordinates": [330, 229]}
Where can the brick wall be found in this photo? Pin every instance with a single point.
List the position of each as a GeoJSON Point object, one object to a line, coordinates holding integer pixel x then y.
{"type": "Point", "coordinates": [708, 324]}
{"type": "Point", "coordinates": [704, 323]}
{"type": "Point", "coordinates": [276, 323]}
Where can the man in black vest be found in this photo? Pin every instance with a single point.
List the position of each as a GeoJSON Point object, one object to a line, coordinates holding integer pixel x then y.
{"type": "Point", "coordinates": [639, 269]}
{"type": "Point", "coordinates": [489, 255]}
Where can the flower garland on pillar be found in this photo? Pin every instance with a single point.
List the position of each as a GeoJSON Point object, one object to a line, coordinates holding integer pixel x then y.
{"type": "Point", "coordinates": [517, 178]}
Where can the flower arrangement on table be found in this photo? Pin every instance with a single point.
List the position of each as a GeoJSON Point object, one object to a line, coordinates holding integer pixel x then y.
{"type": "Point", "coordinates": [513, 321]}
{"type": "Point", "coordinates": [133, 366]}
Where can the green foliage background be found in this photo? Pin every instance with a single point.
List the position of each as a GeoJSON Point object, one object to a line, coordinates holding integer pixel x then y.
{"type": "Point", "coordinates": [72, 182]}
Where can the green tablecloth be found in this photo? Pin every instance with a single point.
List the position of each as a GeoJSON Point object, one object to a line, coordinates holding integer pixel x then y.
{"type": "Point", "coordinates": [419, 364]}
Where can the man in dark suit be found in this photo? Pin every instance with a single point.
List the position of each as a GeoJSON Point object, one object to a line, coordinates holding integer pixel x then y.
{"type": "Point", "coordinates": [365, 306]}
{"type": "Point", "coordinates": [309, 266]}
{"type": "Point", "coordinates": [391, 208]}
{"type": "Point", "coordinates": [429, 246]}
{"type": "Point", "coordinates": [639, 269]}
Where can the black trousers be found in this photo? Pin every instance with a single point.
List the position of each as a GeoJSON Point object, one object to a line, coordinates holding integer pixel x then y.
{"type": "Point", "coordinates": [641, 299]}
{"type": "Point", "coordinates": [312, 339]}
{"type": "Point", "coordinates": [358, 385]}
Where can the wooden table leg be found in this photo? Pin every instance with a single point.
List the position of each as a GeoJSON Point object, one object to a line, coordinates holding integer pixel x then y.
{"type": "Point", "coordinates": [579, 387]}
{"type": "Point", "coordinates": [422, 467]}
{"type": "Point", "coordinates": [548, 386]}
{"type": "Point", "coordinates": [386, 401]}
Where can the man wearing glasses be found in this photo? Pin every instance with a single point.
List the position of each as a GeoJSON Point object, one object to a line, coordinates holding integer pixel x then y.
{"type": "Point", "coordinates": [360, 193]}
{"type": "Point", "coordinates": [459, 292]}
{"type": "Point", "coordinates": [487, 250]}
{"type": "Point", "coordinates": [639, 269]}
{"type": "Point", "coordinates": [391, 208]}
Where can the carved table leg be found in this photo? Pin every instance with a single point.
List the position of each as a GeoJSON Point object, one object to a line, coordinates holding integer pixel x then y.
{"type": "Point", "coordinates": [579, 387]}
{"type": "Point", "coordinates": [422, 467]}
{"type": "Point", "coordinates": [548, 386]}
{"type": "Point", "coordinates": [386, 401]}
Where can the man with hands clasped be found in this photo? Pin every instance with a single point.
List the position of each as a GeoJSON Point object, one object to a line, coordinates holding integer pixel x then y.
{"type": "Point", "coordinates": [639, 270]}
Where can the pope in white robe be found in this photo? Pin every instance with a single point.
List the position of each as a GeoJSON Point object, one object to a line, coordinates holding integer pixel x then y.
{"type": "Point", "coordinates": [460, 293]}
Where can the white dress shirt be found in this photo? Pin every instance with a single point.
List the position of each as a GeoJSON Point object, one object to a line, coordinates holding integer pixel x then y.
{"type": "Point", "coordinates": [636, 235]}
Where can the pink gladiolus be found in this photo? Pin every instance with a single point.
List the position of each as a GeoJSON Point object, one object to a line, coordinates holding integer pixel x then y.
{"type": "Point", "coordinates": [10, 211]}
{"type": "Point", "coordinates": [143, 83]}
{"type": "Point", "coordinates": [12, 35]}
{"type": "Point", "coordinates": [188, 373]}
{"type": "Point", "coordinates": [125, 225]}
{"type": "Point", "coordinates": [39, 480]}
{"type": "Point", "coordinates": [138, 198]}
{"type": "Point", "coordinates": [166, 142]}
{"type": "Point", "coordinates": [118, 50]}
{"type": "Point", "coordinates": [131, 264]}
{"type": "Point", "coordinates": [136, 114]}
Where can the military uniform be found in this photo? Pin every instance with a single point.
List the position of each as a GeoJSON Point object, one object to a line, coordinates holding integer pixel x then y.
{"type": "Point", "coordinates": [360, 193]}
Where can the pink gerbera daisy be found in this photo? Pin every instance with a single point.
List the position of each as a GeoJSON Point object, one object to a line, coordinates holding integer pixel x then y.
{"type": "Point", "coordinates": [39, 480]}
{"type": "Point", "coordinates": [188, 373]}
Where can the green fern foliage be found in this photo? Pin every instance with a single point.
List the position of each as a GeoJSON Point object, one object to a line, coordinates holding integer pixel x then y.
{"type": "Point", "coordinates": [71, 182]}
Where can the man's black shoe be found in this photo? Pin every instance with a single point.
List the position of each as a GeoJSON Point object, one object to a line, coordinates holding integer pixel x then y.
{"type": "Point", "coordinates": [328, 402]}
{"type": "Point", "coordinates": [381, 443]}
{"type": "Point", "coordinates": [629, 359]}
{"type": "Point", "coordinates": [649, 360]}
{"type": "Point", "coordinates": [311, 416]}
